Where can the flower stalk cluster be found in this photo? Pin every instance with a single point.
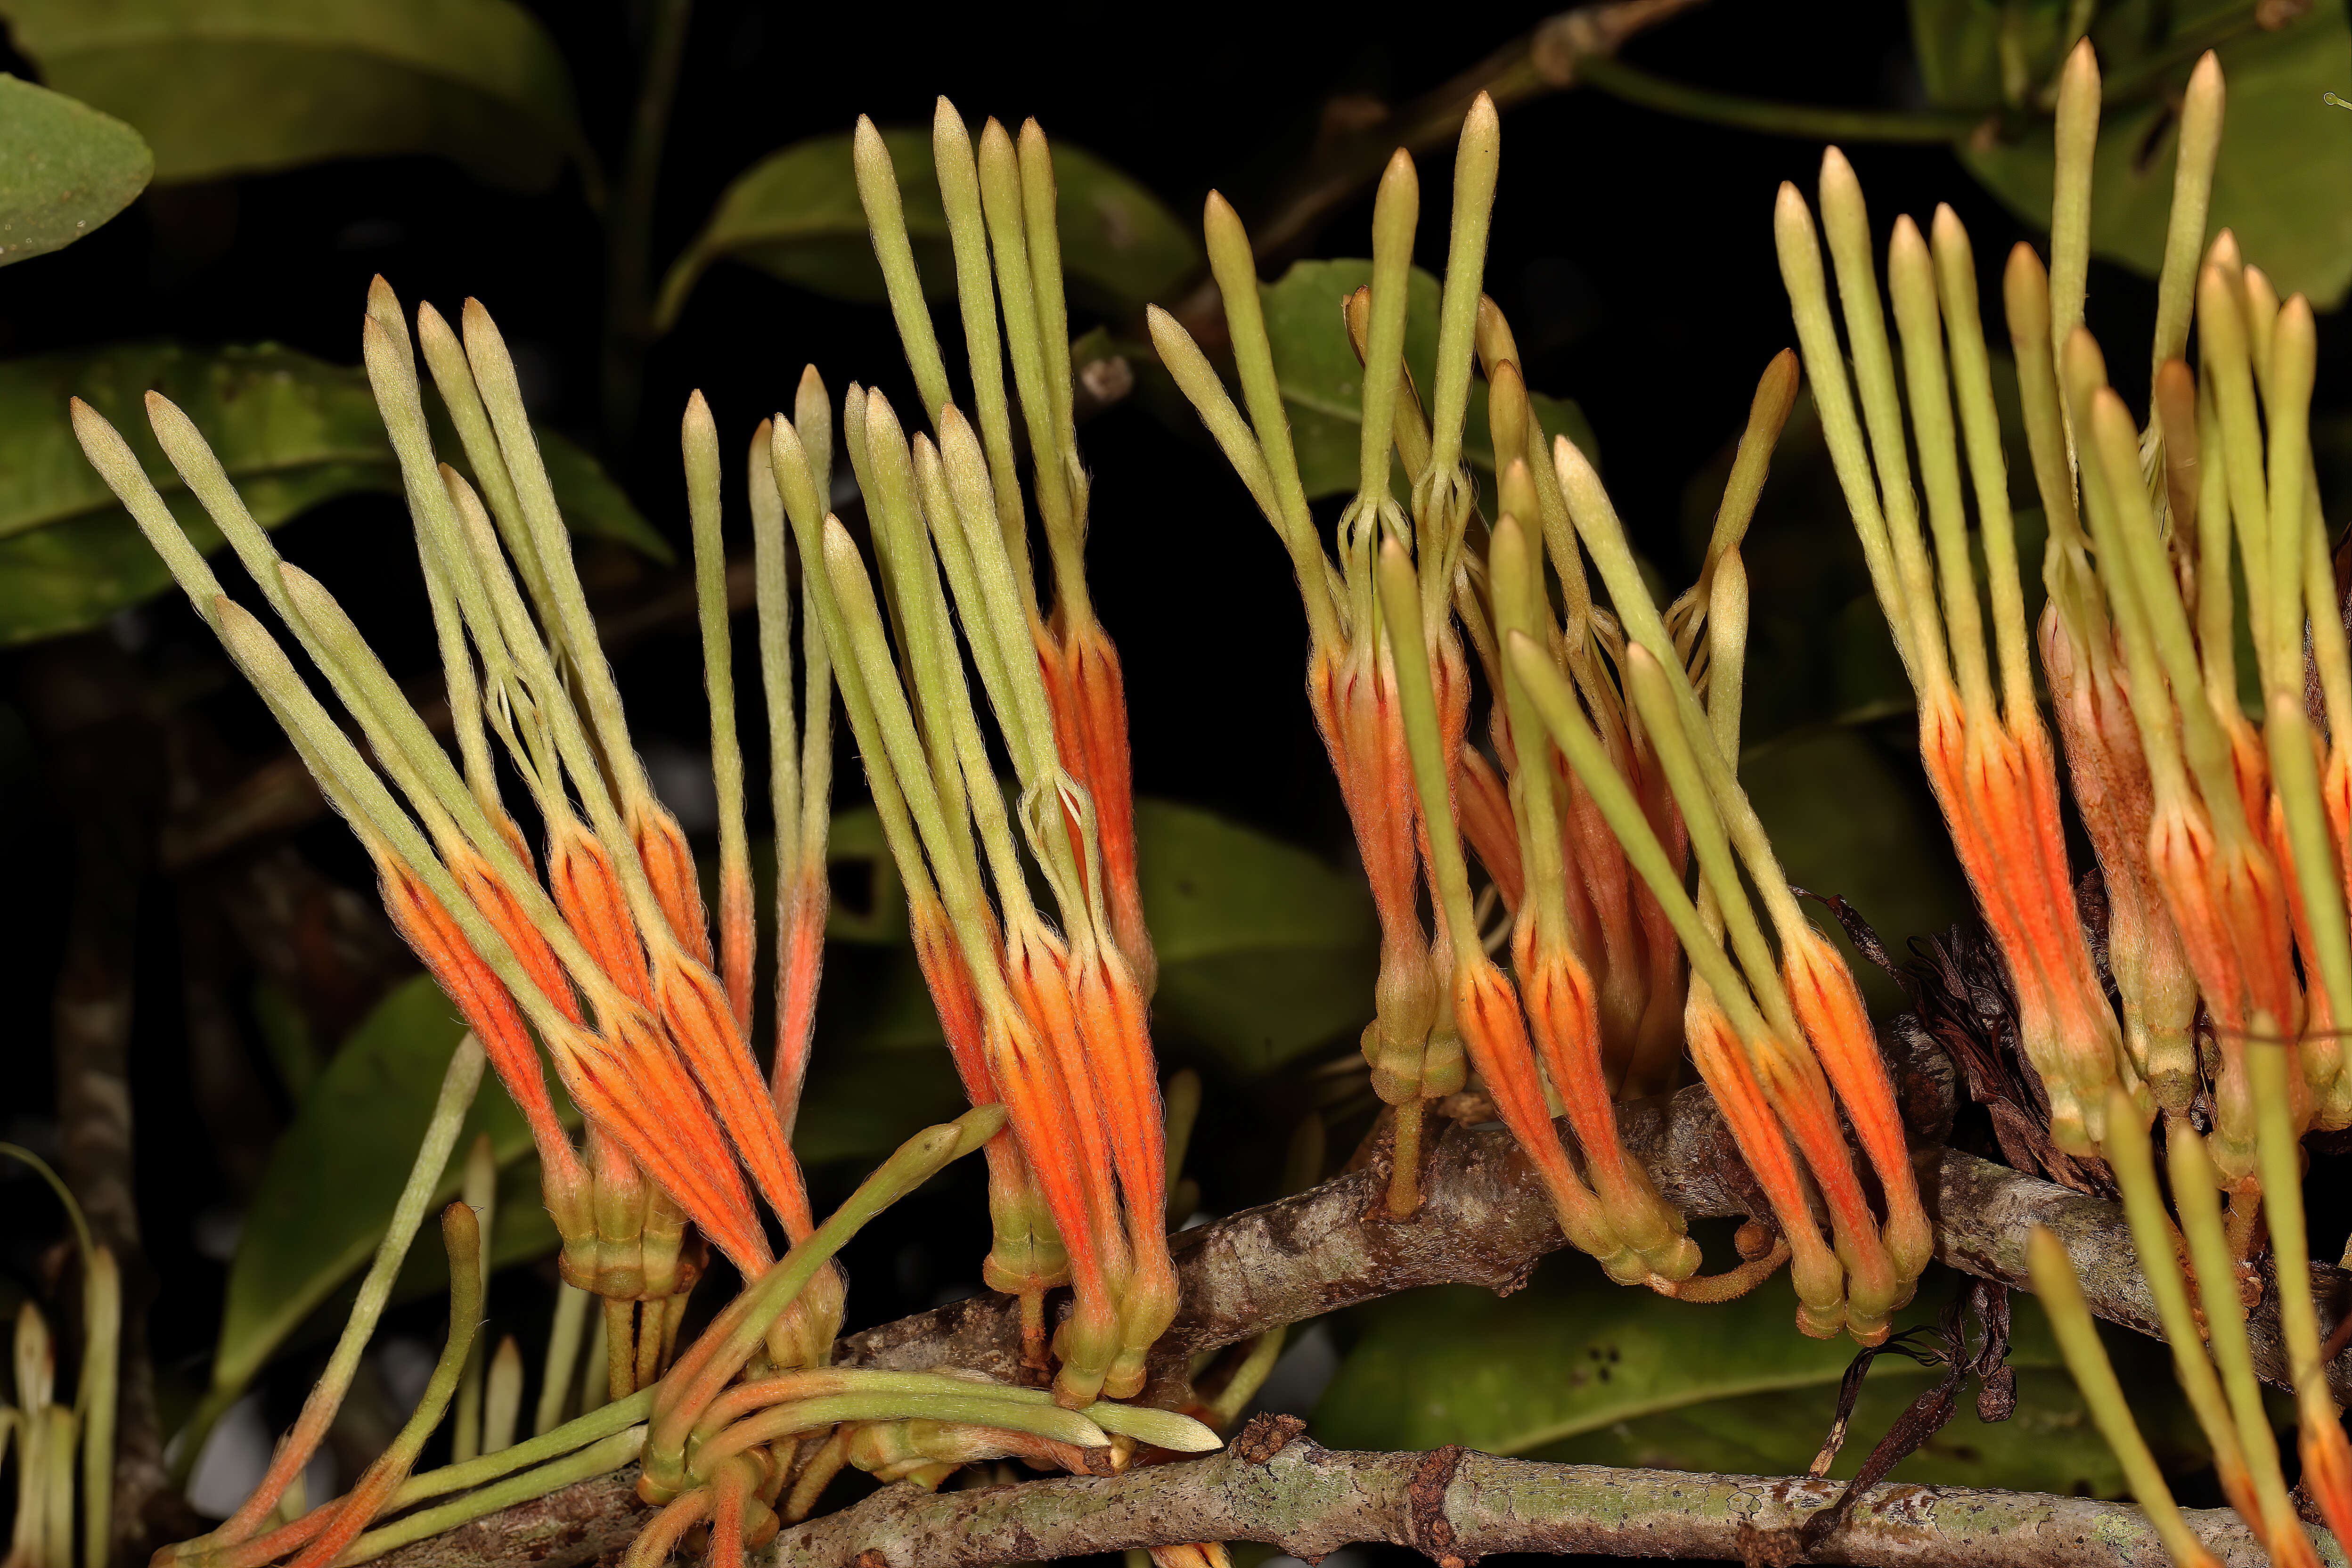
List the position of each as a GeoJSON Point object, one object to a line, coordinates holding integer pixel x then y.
{"type": "Point", "coordinates": [1612, 732]}
{"type": "Point", "coordinates": [1048, 1015]}
{"type": "Point", "coordinates": [2218, 810]}
{"type": "Point", "coordinates": [2211, 1355]}
{"type": "Point", "coordinates": [600, 954]}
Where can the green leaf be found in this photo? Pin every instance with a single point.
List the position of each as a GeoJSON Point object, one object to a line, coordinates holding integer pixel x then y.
{"type": "Point", "coordinates": [795, 215]}
{"type": "Point", "coordinates": [594, 506]}
{"type": "Point", "coordinates": [1577, 1370]}
{"type": "Point", "coordinates": [2286, 165]}
{"type": "Point", "coordinates": [336, 1172]}
{"type": "Point", "coordinates": [1265, 952]}
{"type": "Point", "coordinates": [67, 170]}
{"type": "Point", "coordinates": [292, 431]}
{"type": "Point", "coordinates": [233, 87]}
{"type": "Point", "coordinates": [1323, 381]}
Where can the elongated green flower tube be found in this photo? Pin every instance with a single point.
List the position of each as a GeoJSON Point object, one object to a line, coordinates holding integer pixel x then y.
{"type": "Point", "coordinates": [2078, 1340]}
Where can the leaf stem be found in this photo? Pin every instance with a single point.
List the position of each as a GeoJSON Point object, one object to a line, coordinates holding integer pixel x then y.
{"type": "Point", "coordinates": [1809, 122]}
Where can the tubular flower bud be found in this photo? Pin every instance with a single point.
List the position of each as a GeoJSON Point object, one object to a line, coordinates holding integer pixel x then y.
{"type": "Point", "coordinates": [1498, 1041]}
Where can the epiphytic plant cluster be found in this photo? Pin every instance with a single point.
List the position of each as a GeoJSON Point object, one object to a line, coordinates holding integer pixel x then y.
{"type": "Point", "coordinates": [1579, 904]}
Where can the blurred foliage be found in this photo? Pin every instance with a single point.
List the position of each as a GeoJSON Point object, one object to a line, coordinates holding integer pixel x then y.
{"type": "Point", "coordinates": [795, 215]}
{"type": "Point", "coordinates": [292, 431]}
{"type": "Point", "coordinates": [2285, 166]}
{"type": "Point", "coordinates": [235, 87]}
{"type": "Point", "coordinates": [69, 169]}
{"type": "Point", "coordinates": [1577, 1370]}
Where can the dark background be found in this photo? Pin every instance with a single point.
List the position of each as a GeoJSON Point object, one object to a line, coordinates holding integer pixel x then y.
{"type": "Point", "coordinates": [1631, 249]}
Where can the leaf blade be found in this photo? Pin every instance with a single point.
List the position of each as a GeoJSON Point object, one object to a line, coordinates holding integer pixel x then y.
{"type": "Point", "coordinates": [795, 215]}
{"type": "Point", "coordinates": [235, 87]}
{"type": "Point", "coordinates": [322, 1204]}
{"type": "Point", "coordinates": [1577, 1370]}
{"type": "Point", "coordinates": [69, 169]}
{"type": "Point", "coordinates": [2285, 159]}
{"type": "Point", "coordinates": [291, 430]}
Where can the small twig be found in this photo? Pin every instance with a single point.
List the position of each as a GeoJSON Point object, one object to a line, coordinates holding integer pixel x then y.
{"type": "Point", "coordinates": [1276, 1486]}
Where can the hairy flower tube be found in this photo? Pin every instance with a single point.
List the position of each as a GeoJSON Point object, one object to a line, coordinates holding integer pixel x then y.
{"type": "Point", "coordinates": [1001, 204]}
{"type": "Point", "coordinates": [1060, 1021]}
{"type": "Point", "coordinates": [1987, 753]}
{"type": "Point", "coordinates": [1586, 854]}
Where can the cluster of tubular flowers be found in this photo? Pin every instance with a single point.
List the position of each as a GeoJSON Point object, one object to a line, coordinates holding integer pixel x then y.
{"type": "Point", "coordinates": [1048, 1015]}
{"type": "Point", "coordinates": [602, 952]}
{"type": "Point", "coordinates": [1612, 736]}
{"type": "Point", "coordinates": [1356, 658]}
{"type": "Point", "coordinates": [2218, 810]}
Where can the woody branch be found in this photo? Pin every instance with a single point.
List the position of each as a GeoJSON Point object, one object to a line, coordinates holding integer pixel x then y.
{"type": "Point", "coordinates": [1482, 1222]}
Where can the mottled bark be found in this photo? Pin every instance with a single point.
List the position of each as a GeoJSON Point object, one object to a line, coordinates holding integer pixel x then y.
{"type": "Point", "coordinates": [1457, 1507]}
{"type": "Point", "coordinates": [1484, 1221]}
{"type": "Point", "coordinates": [1984, 1213]}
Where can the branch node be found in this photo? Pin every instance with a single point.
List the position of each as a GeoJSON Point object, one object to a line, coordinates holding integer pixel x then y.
{"type": "Point", "coordinates": [1265, 1435]}
{"type": "Point", "coordinates": [1432, 1532]}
